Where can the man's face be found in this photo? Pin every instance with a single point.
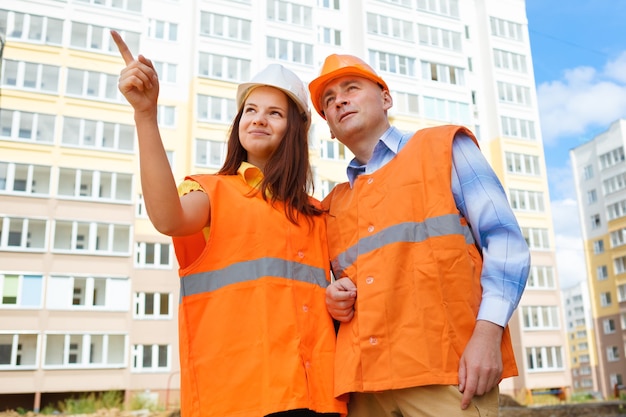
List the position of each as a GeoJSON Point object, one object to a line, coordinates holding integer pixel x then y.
{"type": "Point", "coordinates": [354, 105]}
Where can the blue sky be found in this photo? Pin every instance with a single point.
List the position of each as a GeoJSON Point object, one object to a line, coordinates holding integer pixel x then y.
{"type": "Point", "coordinates": [579, 59]}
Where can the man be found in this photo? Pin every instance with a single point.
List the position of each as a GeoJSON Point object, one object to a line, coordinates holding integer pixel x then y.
{"type": "Point", "coordinates": [428, 258]}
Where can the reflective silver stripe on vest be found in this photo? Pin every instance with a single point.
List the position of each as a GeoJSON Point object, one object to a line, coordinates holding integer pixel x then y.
{"type": "Point", "coordinates": [448, 224]}
{"type": "Point", "coordinates": [249, 271]}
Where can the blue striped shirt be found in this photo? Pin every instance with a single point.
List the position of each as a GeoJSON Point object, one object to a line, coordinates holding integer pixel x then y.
{"type": "Point", "coordinates": [481, 199]}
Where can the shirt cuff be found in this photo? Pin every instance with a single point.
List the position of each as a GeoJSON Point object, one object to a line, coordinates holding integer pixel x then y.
{"type": "Point", "coordinates": [495, 310]}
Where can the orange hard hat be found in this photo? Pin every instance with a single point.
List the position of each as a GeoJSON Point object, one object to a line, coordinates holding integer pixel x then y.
{"type": "Point", "coordinates": [338, 66]}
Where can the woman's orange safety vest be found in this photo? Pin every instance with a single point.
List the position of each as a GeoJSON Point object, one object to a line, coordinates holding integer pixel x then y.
{"type": "Point", "coordinates": [398, 235]}
{"type": "Point", "coordinates": [255, 335]}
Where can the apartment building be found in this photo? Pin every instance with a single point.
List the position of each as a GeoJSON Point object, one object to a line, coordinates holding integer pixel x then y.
{"type": "Point", "coordinates": [600, 177]}
{"type": "Point", "coordinates": [89, 289]}
{"type": "Point", "coordinates": [581, 337]}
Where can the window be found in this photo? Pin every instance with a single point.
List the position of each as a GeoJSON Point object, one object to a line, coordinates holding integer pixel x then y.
{"type": "Point", "coordinates": [151, 358]}
{"type": "Point", "coordinates": [588, 172]}
{"type": "Point", "coordinates": [92, 85]}
{"type": "Point", "coordinates": [288, 12]}
{"type": "Point", "coordinates": [405, 103]}
{"type": "Point", "coordinates": [609, 326]}
{"type": "Point", "coordinates": [130, 5]}
{"type": "Point", "coordinates": [150, 305]}
{"type": "Point", "coordinates": [167, 71]}
{"type": "Point", "coordinates": [92, 238]}
{"type": "Point", "coordinates": [448, 8]}
{"type": "Point", "coordinates": [327, 186]}
{"type": "Point", "coordinates": [540, 317]}
{"type": "Point", "coordinates": [25, 126]}
{"type": "Point", "coordinates": [546, 358]}
{"type": "Point", "coordinates": [72, 292]}
{"type": "Point", "coordinates": [98, 38]}
{"type": "Point", "coordinates": [620, 265]}
{"type": "Point", "coordinates": [611, 158]}
{"type": "Point", "coordinates": [390, 27]}
{"type": "Point", "coordinates": [166, 116]}
{"type": "Point", "coordinates": [509, 61]}
{"type": "Point", "coordinates": [541, 277]}
{"type": "Point", "coordinates": [524, 164]}
{"type": "Point", "coordinates": [329, 36]}
{"type": "Point", "coordinates": [24, 179]}
{"type": "Point", "coordinates": [514, 94]}
{"type": "Point", "coordinates": [223, 67]}
{"type": "Point", "coordinates": [226, 27]}
{"type": "Point", "coordinates": [91, 350]}
{"type": "Point", "coordinates": [31, 27]}
{"type": "Point", "coordinates": [518, 128]}
{"type": "Point", "coordinates": [22, 234]}
{"type": "Point", "coordinates": [616, 210]}
{"type": "Point", "coordinates": [602, 272]}
{"type": "Point", "coordinates": [97, 134]}
{"type": "Point", "coordinates": [159, 29]}
{"type": "Point", "coordinates": [392, 63]}
{"type": "Point", "coordinates": [31, 76]}
{"type": "Point", "coordinates": [18, 351]}
{"type": "Point", "coordinates": [447, 110]}
{"type": "Point", "coordinates": [439, 38]}
{"type": "Point", "coordinates": [537, 238]}
{"type": "Point", "coordinates": [153, 255]}
{"type": "Point", "coordinates": [289, 50]}
{"type": "Point", "coordinates": [612, 353]}
{"type": "Point", "coordinates": [618, 237]}
{"type": "Point", "coordinates": [621, 293]}
{"type": "Point", "coordinates": [216, 109]}
{"type": "Point", "coordinates": [95, 185]}
{"type": "Point", "coordinates": [332, 149]}
{"type": "Point", "coordinates": [592, 196]}
{"type": "Point", "coordinates": [595, 221]}
{"type": "Point", "coordinates": [20, 290]}
{"type": "Point", "coordinates": [210, 153]}
{"type": "Point", "coordinates": [613, 184]}
{"type": "Point", "coordinates": [527, 200]}
{"type": "Point", "coordinates": [443, 73]}
{"type": "Point", "coordinates": [506, 29]}
{"type": "Point", "coordinates": [329, 4]}
{"type": "Point", "coordinates": [605, 299]}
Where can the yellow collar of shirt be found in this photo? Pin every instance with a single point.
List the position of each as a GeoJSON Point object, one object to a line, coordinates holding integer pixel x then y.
{"type": "Point", "coordinates": [250, 174]}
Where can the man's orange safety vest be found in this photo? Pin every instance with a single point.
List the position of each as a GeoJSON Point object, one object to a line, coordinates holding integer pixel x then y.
{"type": "Point", "coordinates": [255, 335]}
{"type": "Point", "coordinates": [398, 235]}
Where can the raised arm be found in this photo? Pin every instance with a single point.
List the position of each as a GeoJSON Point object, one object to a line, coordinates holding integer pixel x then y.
{"type": "Point", "coordinates": [168, 213]}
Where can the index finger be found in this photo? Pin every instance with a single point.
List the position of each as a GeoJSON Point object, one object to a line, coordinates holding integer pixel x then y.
{"type": "Point", "coordinates": [122, 47]}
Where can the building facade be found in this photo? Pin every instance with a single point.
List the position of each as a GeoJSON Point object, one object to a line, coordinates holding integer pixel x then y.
{"type": "Point", "coordinates": [581, 337]}
{"type": "Point", "coordinates": [600, 176]}
{"type": "Point", "coordinates": [89, 289]}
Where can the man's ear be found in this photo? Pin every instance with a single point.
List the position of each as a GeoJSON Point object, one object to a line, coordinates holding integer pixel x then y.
{"type": "Point", "coordinates": [387, 100]}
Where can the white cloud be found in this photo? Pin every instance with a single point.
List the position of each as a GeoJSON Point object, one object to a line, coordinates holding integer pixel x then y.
{"type": "Point", "coordinates": [570, 256]}
{"type": "Point", "coordinates": [582, 99]}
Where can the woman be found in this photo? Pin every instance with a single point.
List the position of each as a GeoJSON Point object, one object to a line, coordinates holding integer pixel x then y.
{"type": "Point", "coordinates": [255, 336]}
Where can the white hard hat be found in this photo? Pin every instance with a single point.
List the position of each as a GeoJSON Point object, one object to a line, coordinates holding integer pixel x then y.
{"type": "Point", "coordinates": [275, 75]}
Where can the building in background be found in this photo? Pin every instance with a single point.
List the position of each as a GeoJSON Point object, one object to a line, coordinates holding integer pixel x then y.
{"type": "Point", "coordinates": [581, 338]}
{"type": "Point", "coordinates": [89, 289]}
{"type": "Point", "coordinates": [600, 177]}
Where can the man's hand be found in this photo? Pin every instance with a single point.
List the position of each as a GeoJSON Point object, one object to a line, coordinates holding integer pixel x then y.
{"type": "Point", "coordinates": [480, 369]}
{"type": "Point", "coordinates": [138, 82]}
{"type": "Point", "coordinates": [340, 299]}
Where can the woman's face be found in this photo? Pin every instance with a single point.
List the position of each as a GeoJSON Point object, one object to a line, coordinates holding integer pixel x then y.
{"type": "Point", "coordinates": [263, 123]}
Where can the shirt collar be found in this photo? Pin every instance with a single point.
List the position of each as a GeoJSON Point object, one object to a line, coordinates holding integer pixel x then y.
{"type": "Point", "coordinates": [390, 141]}
{"type": "Point", "coordinates": [251, 174]}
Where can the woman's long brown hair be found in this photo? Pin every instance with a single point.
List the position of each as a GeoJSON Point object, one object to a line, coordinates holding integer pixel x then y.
{"type": "Point", "coordinates": [287, 175]}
